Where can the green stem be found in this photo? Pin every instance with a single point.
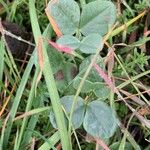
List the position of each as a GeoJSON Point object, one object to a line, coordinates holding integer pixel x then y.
{"type": "Point", "coordinates": [50, 82]}
{"type": "Point", "coordinates": [133, 79]}
{"type": "Point", "coordinates": [2, 47]}
{"type": "Point", "coordinates": [82, 2]}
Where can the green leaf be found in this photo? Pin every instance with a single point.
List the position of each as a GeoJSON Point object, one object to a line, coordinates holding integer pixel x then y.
{"type": "Point", "coordinates": [56, 59]}
{"type": "Point", "coordinates": [93, 81]}
{"type": "Point", "coordinates": [100, 120]}
{"type": "Point", "coordinates": [87, 87]}
{"type": "Point", "coordinates": [61, 82]}
{"type": "Point", "coordinates": [53, 120]}
{"type": "Point", "coordinates": [97, 17]}
{"type": "Point", "coordinates": [93, 75]}
{"type": "Point", "coordinates": [102, 92]}
{"type": "Point", "coordinates": [88, 45]}
{"type": "Point", "coordinates": [78, 114]}
{"type": "Point", "coordinates": [65, 75]}
{"type": "Point", "coordinates": [91, 43]}
{"type": "Point", "coordinates": [69, 41]}
{"type": "Point", "coordinates": [66, 13]}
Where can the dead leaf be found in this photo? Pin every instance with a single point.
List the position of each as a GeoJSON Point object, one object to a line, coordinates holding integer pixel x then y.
{"type": "Point", "coordinates": [145, 110]}
{"type": "Point", "coordinates": [61, 48]}
{"type": "Point", "coordinates": [51, 19]}
{"type": "Point", "coordinates": [105, 77]}
{"type": "Point", "coordinates": [40, 58]}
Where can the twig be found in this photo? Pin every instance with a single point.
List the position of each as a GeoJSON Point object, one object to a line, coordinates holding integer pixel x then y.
{"type": "Point", "coordinates": [17, 37]}
{"type": "Point", "coordinates": [5, 32]}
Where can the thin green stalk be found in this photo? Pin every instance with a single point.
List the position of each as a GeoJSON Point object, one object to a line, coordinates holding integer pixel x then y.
{"type": "Point", "coordinates": [112, 100]}
{"type": "Point", "coordinates": [123, 141]}
{"type": "Point", "coordinates": [50, 82]}
{"type": "Point", "coordinates": [16, 140]}
{"type": "Point", "coordinates": [12, 70]}
{"type": "Point", "coordinates": [133, 79]}
{"type": "Point", "coordinates": [74, 132]}
{"type": "Point", "coordinates": [2, 48]}
{"type": "Point", "coordinates": [33, 112]}
{"type": "Point", "coordinates": [50, 142]}
{"type": "Point", "coordinates": [10, 60]}
{"type": "Point", "coordinates": [82, 2]}
{"type": "Point", "coordinates": [130, 138]}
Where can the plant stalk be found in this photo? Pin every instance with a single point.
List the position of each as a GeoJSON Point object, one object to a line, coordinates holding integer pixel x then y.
{"type": "Point", "coordinates": [82, 2]}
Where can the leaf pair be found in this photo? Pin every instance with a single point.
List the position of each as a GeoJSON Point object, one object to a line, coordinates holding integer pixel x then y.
{"type": "Point", "coordinates": [88, 45]}
{"type": "Point", "coordinates": [96, 16]}
{"type": "Point", "coordinates": [98, 119]}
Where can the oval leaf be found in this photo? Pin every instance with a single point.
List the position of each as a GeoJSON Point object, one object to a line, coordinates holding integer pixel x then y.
{"type": "Point", "coordinates": [53, 120]}
{"type": "Point", "coordinates": [69, 41]}
{"type": "Point", "coordinates": [93, 75]}
{"type": "Point", "coordinates": [56, 58]}
{"type": "Point", "coordinates": [66, 14]}
{"type": "Point", "coordinates": [91, 43]}
{"type": "Point", "coordinates": [102, 92]}
{"type": "Point", "coordinates": [87, 87]}
{"type": "Point", "coordinates": [78, 114]}
{"type": "Point", "coordinates": [100, 120]}
{"type": "Point", "coordinates": [97, 17]}
{"type": "Point", "coordinates": [93, 81]}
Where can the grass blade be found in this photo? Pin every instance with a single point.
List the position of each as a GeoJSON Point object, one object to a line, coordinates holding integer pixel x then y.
{"type": "Point", "coordinates": [47, 71]}
{"type": "Point", "coordinates": [1, 60]}
{"type": "Point", "coordinates": [52, 140]}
